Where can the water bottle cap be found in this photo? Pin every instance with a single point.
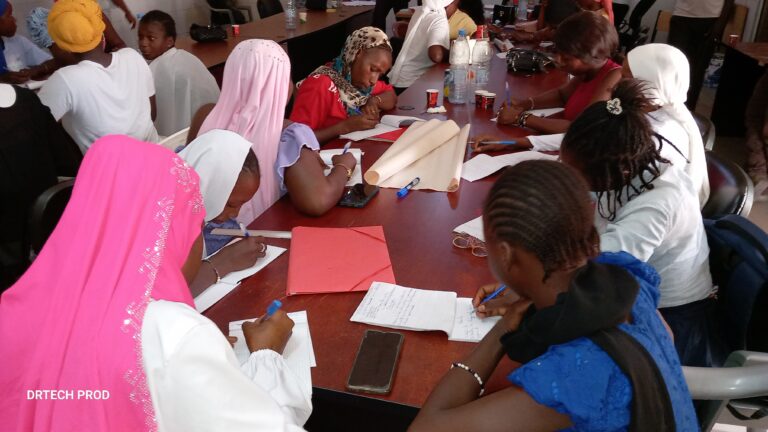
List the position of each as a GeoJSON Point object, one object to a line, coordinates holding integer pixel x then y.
{"type": "Point", "coordinates": [462, 33]}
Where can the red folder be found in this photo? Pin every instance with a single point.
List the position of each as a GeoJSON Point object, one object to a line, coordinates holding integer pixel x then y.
{"type": "Point", "coordinates": [328, 260]}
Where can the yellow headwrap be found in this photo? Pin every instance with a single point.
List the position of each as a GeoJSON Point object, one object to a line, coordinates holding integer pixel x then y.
{"type": "Point", "coordinates": [76, 25]}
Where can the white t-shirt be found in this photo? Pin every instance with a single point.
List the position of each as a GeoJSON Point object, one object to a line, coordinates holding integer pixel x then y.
{"type": "Point", "coordinates": [698, 8]}
{"type": "Point", "coordinates": [21, 53]}
{"type": "Point", "coordinates": [413, 60]}
{"type": "Point", "coordinates": [663, 226]}
{"type": "Point", "coordinates": [93, 101]}
{"type": "Point", "coordinates": [197, 384]}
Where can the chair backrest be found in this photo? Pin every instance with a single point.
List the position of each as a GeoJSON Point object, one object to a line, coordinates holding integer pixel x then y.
{"type": "Point", "coordinates": [174, 141]}
{"type": "Point", "coordinates": [745, 375]}
{"type": "Point", "coordinates": [620, 11]}
{"type": "Point", "coordinates": [707, 129]}
{"type": "Point", "coordinates": [736, 22]}
{"type": "Point", "coordinates": [730, 189]}
{"type": "Point", "coordinates": [662, 23]}
{"type": "Point", "coordinates": [46, 212]}
{"type": "Point", "coordinates": [267, 8]}
{"type": "Point", "coordinates": [219, 14]}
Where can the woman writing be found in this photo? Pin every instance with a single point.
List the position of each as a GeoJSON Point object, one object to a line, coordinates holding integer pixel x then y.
{"type": "Point", "coordinates": [347, 94]}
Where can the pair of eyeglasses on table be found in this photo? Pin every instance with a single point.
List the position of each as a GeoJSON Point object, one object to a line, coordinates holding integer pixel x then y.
{"type": "Point", "coordinates": [466, 241]}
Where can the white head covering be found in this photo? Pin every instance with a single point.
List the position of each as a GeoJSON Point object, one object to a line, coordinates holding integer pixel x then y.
{"type": "Point", "coordinates": [428, 6]}
{"type": "Point", "coordinates": [217, 156]}
{"type": "Point", "coordinates": [667, 70]}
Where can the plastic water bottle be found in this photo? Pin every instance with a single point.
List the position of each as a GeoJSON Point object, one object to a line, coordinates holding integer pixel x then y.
{"type": "Point", "coordinates": [522, 10]}
{"type": "Point", "coordinates": [290, 15]}
{"type": "Point", "coordinates": [481, 61]}
{"type": "Point", "coordinates": [459, 60]}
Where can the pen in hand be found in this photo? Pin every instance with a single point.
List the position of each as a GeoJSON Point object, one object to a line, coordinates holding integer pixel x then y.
{"type": "Point", "coordinates": [490, 297]}
{"type": "Point", "coordinates": [271, 309]}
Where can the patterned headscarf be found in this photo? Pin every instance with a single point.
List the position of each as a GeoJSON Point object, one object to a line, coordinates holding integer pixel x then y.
{"type": "Point", "coordinates": [37, 26]}
{"type": "Point", "coordinates": [340, 69]}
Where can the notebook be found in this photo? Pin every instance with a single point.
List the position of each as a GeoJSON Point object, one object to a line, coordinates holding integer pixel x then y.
{"type": "Point", "coordinates": [217, 291]}
{"type": "Point", "coordinates": [403, 308]}
{"type": "Point", "coordinates": [299, 353]}
{"type": "Point", "coordinates": [330, 260]}
{"type": "Point", "coordinates": [388, 123]}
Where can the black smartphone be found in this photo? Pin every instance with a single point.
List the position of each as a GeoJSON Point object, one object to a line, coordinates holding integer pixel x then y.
{"type": "Point", "coordinates": [374, 368]}
{"type": "Point", "coordinates": [358, 195]}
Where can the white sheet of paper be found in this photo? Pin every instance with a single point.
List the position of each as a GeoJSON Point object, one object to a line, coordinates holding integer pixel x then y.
{"type": "Point", "coordinates": [467, 326]}
{"type": "Point", "coordinates": [483, 165]}
{"type": "Point", "coordinates": [546, 142]}
{"type": "Point", "coordinates": [546, 112]}
{"type": "Point", "coordinates": [403, 308]}
{"type": "Point", "coordinates": [299, 354]}
{"type": "Point", "coordinates": [388, 123]}
{"type": "Point", "coordinates": [501, 55]}
{"type": "Point", "coordinates": [398, 307]}
{"type": "Point", "coordinates": [357, 174]}
{"type": "Point", "coordinates": [359, 3]}
{"type": "Point", "coordinates": [397, 121]}
{"type": "Point", "coordinates": [473, 228]}
{"type": "Point", "coordinates": [216, 292]}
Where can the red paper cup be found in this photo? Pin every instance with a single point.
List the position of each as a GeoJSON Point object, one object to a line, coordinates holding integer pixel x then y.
{"type": "Point", "coordinates": [479, 98]}
{"type": "Point", "coordinates": [488, 101]}
{"type": "Point", "coordinates": [235, 29]}
{"type": "Point", "coordinates": [432, 98]}
{"type": "Point", "coordinates": [734, 39]}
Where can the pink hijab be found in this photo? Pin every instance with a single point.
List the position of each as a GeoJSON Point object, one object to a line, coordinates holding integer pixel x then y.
{"type": "Point", "coordinates": [257, 77]}
{"type": "Point", "coordinates": [73, 321]}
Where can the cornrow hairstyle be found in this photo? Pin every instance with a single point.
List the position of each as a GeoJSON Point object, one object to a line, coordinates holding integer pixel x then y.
{"type": "Point", "coordinates": [587, 36]}
{"type": "Point", "coordinates": [613, 149]}
{"type": "Point", "coordinates": [543, 207]}
{"type": "Point", "coordinates": [162, 18]}
{"type": "Point", "coordinates": [251, 164]}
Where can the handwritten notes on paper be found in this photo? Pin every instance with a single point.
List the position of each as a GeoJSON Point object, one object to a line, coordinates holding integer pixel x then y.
{"type": "Point", "coordinates": [398, 307]}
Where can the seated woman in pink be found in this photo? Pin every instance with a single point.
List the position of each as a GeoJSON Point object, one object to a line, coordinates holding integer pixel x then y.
{"type": "Point", "coordinates": [585, 43]}
{"type": "Point", "coordinates": [346, 95]}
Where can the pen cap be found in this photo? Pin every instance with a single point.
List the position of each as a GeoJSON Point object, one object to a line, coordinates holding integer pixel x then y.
{"type": "Point", "coordinates": [273, 307]}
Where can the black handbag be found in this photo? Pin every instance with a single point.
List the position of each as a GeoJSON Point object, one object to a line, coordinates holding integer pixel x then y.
{"type": "Point", "coordinates": [211, 33]}
{"type": "Point", "coordinates": [527, 61]}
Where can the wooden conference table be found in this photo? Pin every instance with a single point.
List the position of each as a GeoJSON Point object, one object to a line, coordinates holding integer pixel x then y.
{"type": "Point", "coordinates": [309, 45]}
{"type": "Point", "coordinates": [418, 231]}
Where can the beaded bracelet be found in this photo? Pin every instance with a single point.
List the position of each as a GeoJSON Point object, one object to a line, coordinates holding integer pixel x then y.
{"type": "Point", "coordinates": [523, 118]}
{"type": "Point", "coordinates": [475, 374]}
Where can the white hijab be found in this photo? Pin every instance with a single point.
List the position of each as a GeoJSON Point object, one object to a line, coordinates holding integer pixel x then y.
{"type": "Point", "coordinates": [217, 156]}
{"type": "Point", "coordinates": [667, 70]}
{"type": "Point", "coordinates": [428, 6]}
{"type": "Point", "coordinates": [182, 85]}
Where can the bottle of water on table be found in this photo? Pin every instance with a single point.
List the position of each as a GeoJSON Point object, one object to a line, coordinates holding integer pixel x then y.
{"type": "Point", "coordinates": [481, 61]}
{"type": "Point", "coordinates": [459, 60]}
{"type": "Point", "coordinates": [290, 15]}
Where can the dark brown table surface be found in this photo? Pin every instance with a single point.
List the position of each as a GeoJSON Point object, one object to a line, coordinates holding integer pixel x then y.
{"type": "Point", "coordinates": [418, 230]}
{"type": "Point", "coordinates": [756, 50]}
{"type": "Point", "coordinates": [272, 28]}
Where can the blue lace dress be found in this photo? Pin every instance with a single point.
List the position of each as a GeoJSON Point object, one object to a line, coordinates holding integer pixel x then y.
{"type": "Point", "coordinates": [580, 380]}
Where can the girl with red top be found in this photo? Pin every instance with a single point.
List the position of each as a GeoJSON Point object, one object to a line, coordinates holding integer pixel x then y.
{"type": "Point", "coordinates": [346, 95]}
{"type": "Point", "coordinates": [585, 43]}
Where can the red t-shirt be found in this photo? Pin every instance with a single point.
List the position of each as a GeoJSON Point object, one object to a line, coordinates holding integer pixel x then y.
{"type": "Point", "coordinates": [585, 91]}
{"type": "Point", "coordinates": [318, 103]}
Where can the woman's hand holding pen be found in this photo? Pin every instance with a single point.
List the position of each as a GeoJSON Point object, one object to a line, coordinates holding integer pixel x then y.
{"type": "Point", "coordinates": [360, 122]}
{"type": "Point", "coordinates": [239, 255]}
{"type": "Point", "coordinates": [272, 333]}
{"type": "Point", "coordinates": [371, 108]}
{"type": "Point", "coordinates": [508, 114]}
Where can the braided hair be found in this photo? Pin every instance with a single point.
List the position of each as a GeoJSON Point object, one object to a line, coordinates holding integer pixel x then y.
{"type": "Point", "coordinates": [612, 143]}
{"type": "Point", "coordinates": [543, 207]}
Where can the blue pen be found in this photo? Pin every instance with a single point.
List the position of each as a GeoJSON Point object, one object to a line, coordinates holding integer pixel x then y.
{"type": "Point", "coordinates": [245, 231]}
{"type": "Point", "coordinates": [509, 96]}
{"type": "Point", "coordinates": [272, 308]}
{"type": "Point", "coordinates": [357, 111]}
{"type": "Point", "coordinates": [491, 297]}
{"type": "Point", "coordinates": [347, 146]}
{"type": "Point", "coordinates": [407, 188]}
{"type": "Point", "coordinates": [510, 142]}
